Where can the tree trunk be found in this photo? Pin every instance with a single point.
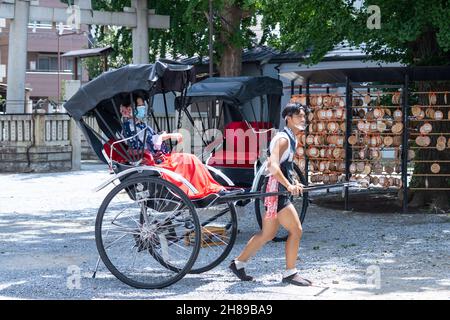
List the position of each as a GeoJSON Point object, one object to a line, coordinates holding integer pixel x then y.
{"type": "Point", "coordinates": [230, 64]}
{"type": "Point", "coordinates": [426, 52]}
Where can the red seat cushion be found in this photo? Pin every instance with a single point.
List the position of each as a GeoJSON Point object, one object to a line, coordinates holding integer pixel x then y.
{"type": "Point", "coordinates": [242, 144]}
{"type": "Point", "coordinates": [231, 158]}
{"type": "Point", "coordinates": [120, 151]}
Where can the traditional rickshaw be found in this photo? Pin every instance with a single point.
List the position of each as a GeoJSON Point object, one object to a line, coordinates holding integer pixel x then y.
{"type": "Point", "coordinates": [246, 110]}
{"type": "Point", "coordinates": [151, 228]}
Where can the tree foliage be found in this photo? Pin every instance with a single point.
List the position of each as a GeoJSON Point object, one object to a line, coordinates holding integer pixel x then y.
{"type": "Point", "coordinates": [415, 32]}
{"type": "Point", "coordinates": [188, 34]}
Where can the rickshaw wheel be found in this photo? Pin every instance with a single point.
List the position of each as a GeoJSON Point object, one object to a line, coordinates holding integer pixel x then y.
{"type": "Point", "coordinates": [219, 231]}
{"type": "Point", "coordinates": [220, 234]}
{"type": "Point", "coordinates": [142, 215]}
{"type": "Point", "coordinates": [298, 201]}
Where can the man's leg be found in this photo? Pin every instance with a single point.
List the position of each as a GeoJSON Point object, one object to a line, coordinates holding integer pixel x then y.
{"type": "Point", "coordinates": [288, 218]}
{"type": "Point", "coordinates": [268, 232]}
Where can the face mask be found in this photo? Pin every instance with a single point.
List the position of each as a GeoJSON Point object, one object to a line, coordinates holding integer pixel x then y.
{"type": "Point", "coordinates": [140, 112]}
{"type": "Point", "coordinates": [300, 126]}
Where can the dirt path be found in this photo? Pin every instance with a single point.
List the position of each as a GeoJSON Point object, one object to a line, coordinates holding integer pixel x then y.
{"type": "Point", "coordinates": [47, 230]}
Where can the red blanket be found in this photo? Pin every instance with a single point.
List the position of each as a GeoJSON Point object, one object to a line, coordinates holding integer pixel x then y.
{"type": "Point", "coordinates": [190, 167]}
{"type": "Point", "coordinates": [185, 164]}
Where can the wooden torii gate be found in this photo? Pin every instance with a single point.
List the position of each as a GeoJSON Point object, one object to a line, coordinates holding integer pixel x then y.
{"type": "Point", "coordinates": [137, 17]}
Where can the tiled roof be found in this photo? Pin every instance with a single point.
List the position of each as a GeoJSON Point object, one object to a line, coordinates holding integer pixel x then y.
{"type": "Point", "coordinates": [83, 53]}
{"type": "Point", "coordinates": [265, 54]}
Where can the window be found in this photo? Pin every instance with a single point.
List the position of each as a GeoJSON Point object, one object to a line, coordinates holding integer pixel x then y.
{"type": "Point", "coordinates": [47, 63]}
{"type": "Point", "coordinates": [67, 64]}
{"type": "Point", "coordinates": [44, 64]}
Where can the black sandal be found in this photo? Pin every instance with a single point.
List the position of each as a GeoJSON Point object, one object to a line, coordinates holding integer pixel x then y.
{"type": "Point", "coordinates": [297, 280]}
{"type": "Point", "coordinates": [240, 273]}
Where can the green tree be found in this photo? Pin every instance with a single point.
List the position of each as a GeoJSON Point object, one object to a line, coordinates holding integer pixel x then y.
{"type": "Point", "coordinates": [415, 32]}
{"type": "Point", "coordinates": [188, 34]}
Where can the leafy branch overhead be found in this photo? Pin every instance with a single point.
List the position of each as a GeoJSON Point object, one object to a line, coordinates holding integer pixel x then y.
{"type": "Point", "coordinates": [188, 34]}
{"type": "Point", "coordinates": [412, 31]}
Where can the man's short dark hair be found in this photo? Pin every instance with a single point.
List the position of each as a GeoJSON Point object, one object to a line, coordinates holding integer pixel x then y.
{"type": "Point", "coordinates": [291, 109]}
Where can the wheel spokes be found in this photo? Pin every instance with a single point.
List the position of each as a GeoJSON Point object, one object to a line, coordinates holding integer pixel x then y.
{"type": "Point", "coordinates": [143, 235]}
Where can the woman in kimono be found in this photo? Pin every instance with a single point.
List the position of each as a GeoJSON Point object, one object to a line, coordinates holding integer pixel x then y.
{"type": "Point", "coordinates": [185, 164]}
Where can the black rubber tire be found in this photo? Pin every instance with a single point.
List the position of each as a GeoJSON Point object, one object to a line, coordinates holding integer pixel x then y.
{"type": "Point", "coordinates": [259, 210]}
{"type": "Point", "coordinates": [227, 249]}
{"type": "Point", "coordinates": [218, 260]}
{"type": "Point", "coordinates": [98, 233]}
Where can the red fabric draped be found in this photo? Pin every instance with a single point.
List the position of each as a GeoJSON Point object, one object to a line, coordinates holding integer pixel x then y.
{"type": "Point", "coordinates": [186, 165]}
{"type": "Point", "coordinates": [190, 167]}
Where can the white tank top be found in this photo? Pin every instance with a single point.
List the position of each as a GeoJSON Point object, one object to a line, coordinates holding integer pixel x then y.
{"type": "Point", "coordinates": [288, 154]}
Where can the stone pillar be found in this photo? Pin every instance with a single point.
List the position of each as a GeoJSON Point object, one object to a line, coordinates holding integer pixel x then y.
{"type": "Point", "coordinates": [75, 141]}
{"type": "Point", "coordinates": [39, 129]}
{"type": "Point", "coordinates": [140, 33]}
{"type": "Point", "coordinates": [17, 57]}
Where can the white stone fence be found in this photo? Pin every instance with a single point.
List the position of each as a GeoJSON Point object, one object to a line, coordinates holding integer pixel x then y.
{"type": "Point", "coordinates": [53, 142]}
{"type": "Point", "coordinates": [39, 143]}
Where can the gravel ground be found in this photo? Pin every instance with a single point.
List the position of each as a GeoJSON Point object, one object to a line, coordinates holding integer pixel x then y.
{"type": "Point", "coordinates": [47, 229]}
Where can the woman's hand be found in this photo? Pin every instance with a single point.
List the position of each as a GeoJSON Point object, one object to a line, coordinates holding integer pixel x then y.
{"type": "Point", "coordinates": [177, 136]}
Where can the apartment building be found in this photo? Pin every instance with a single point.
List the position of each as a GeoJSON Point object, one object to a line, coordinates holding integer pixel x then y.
{"type": "Point", "coordinates": [45, 41]}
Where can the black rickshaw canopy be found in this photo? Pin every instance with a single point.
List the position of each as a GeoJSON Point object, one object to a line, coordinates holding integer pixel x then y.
{"type": "Point", "coordinates": [154, 78]}
{"type": "Point", "coordinates": [102, 96]}
{"type": "Point", "coordinates": [237, 90]}
{"type": "Point", "coordinates": [238, 95]}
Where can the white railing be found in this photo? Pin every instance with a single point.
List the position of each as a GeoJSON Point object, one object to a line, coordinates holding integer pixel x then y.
{"type": "Point", "coordinates": [57, 130]}
{"type": "Point", "coordinates": [39, 142]}
{"type": "Point", "coordinates": [16, 129]}
{"type": "Point", "coordinates": [37, 129]}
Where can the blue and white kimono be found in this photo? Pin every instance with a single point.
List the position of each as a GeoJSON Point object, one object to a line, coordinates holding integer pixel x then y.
{"type": "Point", "coordinates": [153, 140]}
